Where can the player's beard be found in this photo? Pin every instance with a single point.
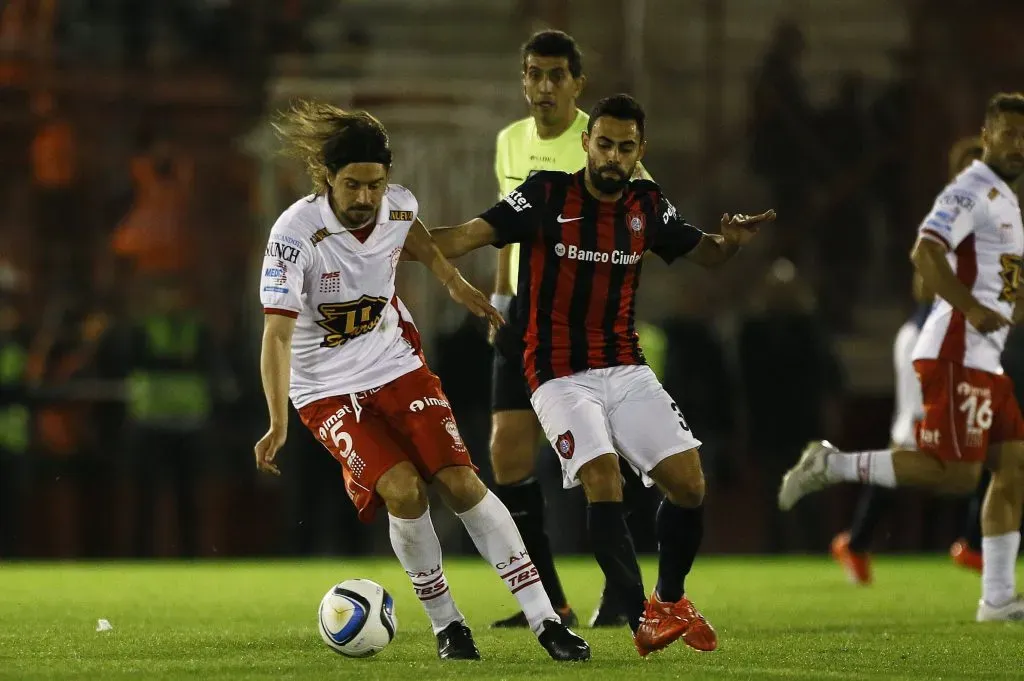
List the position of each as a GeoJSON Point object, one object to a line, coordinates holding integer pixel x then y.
{"type": "Point", "coordinates": [608, 184]}
{"type": "Point", "coordinates": [357, 217]}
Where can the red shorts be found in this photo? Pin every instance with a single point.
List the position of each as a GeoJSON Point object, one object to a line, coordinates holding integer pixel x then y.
{"type": "Point", "coordinates": [408, 419]}
{"type": "Point", "coordinates": [965, 410]}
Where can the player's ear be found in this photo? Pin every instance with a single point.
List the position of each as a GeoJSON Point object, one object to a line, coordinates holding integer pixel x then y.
{"type": "Point", "coordinates": [585, 138]}
{"type": "Point", "coordinates": [641, 150]}
{"type": "Point", "coordinates": [581, 83]}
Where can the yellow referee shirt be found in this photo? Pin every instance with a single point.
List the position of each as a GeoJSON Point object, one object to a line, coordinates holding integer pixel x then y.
{"type": "Point", "coordinates": [521, 152]}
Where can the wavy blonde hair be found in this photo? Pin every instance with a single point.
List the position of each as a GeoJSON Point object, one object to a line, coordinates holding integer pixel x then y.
{"type": "Point", "coordinates": [308, 126]}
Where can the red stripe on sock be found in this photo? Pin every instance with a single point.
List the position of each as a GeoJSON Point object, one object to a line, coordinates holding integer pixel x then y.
{"type": "Point", "coordinates": [518, 569]}
{"type": "Point", "coordinates": [523, 586]}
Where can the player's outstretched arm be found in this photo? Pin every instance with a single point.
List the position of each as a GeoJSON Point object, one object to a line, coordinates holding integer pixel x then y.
{"type": "Point", "coordinates": [929, 258]}
{"type": "Point", "coordinates": [737, 230]}
{"type": "Point", "coordinates": [420, 245]}
{"type": "Point", "coordinates": [456, 241]}
{"type": "Point", "coordinates": [275, 370]}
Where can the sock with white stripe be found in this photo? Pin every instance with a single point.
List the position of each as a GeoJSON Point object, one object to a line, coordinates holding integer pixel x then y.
{"type": "Point", "coordinates": [418, 550]}
{"type": "Point", "coordinates": [999, 560]}
{"type": "Point", "coordinates": [870, 468]}
{"type": "Point", "coordinates": [498, 541]}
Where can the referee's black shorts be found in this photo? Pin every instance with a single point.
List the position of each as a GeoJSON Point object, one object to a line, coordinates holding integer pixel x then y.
{"type": "Point", "coordinates": [509, 391]}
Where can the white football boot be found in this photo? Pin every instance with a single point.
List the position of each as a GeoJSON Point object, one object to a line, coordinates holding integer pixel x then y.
{"type": "Point", "coordinates": [1011, 612]}
{"type": "Point", "coordinates": [808, 475]}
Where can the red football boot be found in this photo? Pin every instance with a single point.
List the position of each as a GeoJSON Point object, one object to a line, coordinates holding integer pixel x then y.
{"type": "Point", "coordinates": [663, 623]}
{"type": "Point", "coordinates": [856, 565]}
{"type": "Point", "coordinates": [964, 556]}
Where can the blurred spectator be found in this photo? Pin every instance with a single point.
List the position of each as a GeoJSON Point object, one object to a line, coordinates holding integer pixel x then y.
{"type": "Point", "coordinates": [172, 371]}
{"type": "Point", "coordinates": [156, 237]}
{"type": "Point", "coordinates": [791, 383]}
{"type": "Point", "coordinates": [782, 135]}
{"type": "Point", "coordinates": [698, 378]}
{"type": "Point", "coordinates": [27, 26]}
{"type": "Point", "coordinates": [14, 419]}
{"type": "Point", "coordinates": [58, 206]}
{"type": "Point", "coordinates": [63, 355]}
{"type": "Point", "coordinates": [843, 234]}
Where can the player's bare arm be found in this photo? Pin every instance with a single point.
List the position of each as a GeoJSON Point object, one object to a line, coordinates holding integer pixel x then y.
{"type": "Point", "coordinates": [275, 369]}
{"type": "Point", "coordinates": [737, 230]}
{"type": "Point", "coordinates": [421, 246]}
{"type": "Point", "coordinates": [457, 241]}
{"type": "Point", "coordinates": [929, 258]}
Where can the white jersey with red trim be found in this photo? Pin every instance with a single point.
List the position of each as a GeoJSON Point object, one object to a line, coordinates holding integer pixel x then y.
{"type": "Point", "coordinates": [977, 217]}
{"type": "Point", "coordinates": [352, 333]}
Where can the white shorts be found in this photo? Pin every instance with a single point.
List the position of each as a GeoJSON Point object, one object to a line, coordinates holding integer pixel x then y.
{"type": "Point", "coordinates": [620, 410]}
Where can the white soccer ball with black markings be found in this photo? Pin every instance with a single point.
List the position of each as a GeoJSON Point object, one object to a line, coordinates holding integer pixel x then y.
{"type": "Point", "coordinates": [357, 618]}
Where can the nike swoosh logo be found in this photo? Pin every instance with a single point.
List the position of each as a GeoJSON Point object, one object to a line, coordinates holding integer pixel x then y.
{"type": "Point", "coordinates": [561, 219]}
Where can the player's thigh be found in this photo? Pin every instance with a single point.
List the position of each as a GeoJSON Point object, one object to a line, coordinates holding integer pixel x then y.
{"type": "Point", "coordinates": [647, 425]}
{"type": "Point", "coordinates": [417, 410]}
{"type": "Point", "coordinates": [572, 413]}
{"type": "Point", "coordinates": [363, 447]}
{"type": "Point", "coordinates": [957, 414]}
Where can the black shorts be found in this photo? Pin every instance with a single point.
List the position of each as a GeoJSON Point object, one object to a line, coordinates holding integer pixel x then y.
{"type": "Point", "coordinates": [509, 391]}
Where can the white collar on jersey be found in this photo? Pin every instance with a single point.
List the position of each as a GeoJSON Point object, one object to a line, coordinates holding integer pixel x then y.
{"type": "Point", "coordinates": [990, 175]}
{"type": "Point", "coordinates": [333, 224]}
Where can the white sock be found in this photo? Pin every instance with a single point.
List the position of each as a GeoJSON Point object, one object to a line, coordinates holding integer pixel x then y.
{"type": "Point", "coordinates": [415, 543]}
{"type": "Point", "coordinates": [998, 562]}
{"type": "Point", "coordinates": [874, 468]}
{"type": "Point", "coordinates": [498, 541]}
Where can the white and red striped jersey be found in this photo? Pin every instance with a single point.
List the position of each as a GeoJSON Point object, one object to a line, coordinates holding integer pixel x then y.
{"type": "Point", "coordinates": [977, 217]}
{"type": "Point", "coordinates": [352, 333]}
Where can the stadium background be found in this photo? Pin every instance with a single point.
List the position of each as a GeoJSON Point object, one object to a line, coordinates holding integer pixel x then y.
{"type": "Point", "coordinates": [140, 181]}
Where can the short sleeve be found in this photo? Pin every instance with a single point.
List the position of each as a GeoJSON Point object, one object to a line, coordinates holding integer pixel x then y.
{"type": "Point", "coordinates": [674, 237]}
{"type": "Point", "coordinates": [518, 216]}
{"type": "Point", "coordinates": [952, 217]}
{"type": "Point", "coordinates": [284, 263]}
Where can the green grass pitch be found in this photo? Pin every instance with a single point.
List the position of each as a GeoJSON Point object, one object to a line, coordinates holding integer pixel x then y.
{"type": "Point", "coordinates": [778, 618]}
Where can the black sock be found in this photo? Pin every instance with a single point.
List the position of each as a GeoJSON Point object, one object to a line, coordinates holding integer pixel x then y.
{"type": "Point", "coordinates": [525, 502]}
{"type": "Point", "coordinates": [972, 533]}
{"type": "Point", "coordinates": [874, 502]}
{"type": "Point", "coordinates": [613, 548]}
{"type": "Point", "coordinates": [679, 533]}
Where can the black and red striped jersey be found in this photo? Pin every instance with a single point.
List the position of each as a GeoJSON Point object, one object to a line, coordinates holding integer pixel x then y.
{"type": "Point", "coordinates": [579, 268]}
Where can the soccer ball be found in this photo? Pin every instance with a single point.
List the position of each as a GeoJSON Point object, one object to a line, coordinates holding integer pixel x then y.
{"type": "Point", "coordinates": [357, 618]}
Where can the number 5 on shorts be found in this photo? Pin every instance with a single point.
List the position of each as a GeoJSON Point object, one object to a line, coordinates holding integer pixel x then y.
{"type": "Point", "coordinates": [682, 419]}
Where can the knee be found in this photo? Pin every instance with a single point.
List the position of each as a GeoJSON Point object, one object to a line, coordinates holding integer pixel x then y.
{"type": "Point", "coordinates": [602, 479]}
{"type": "Point", "coordinates": [461, 488]}
{"type": "Point", "coordinates": [687, 491]}
{"type": "Point", "coordinates": [405, 496]}
{"type": "Point", "coordinates": [512, 454]}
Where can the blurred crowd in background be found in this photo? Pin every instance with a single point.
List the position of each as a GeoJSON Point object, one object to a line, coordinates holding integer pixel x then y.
{"type": "Point", "coordinates": [139, 187]}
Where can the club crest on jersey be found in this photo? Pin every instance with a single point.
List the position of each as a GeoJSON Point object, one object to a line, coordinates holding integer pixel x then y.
{"type": "Point", "coordinates": [636, 222]}
{"type": "Point", "coordinates": [566, 445]}
{"type": "Point", "coordinates": [345, 321]}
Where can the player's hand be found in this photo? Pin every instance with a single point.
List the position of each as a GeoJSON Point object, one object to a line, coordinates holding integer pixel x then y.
{"type": "Point", "coordinates": [464, 293]}
{"type": "Point", "coordinates": [741, 228]}
{"type": "Point", "coordinates": [986, 320]}
{"type": "Point", "coordinates": [266, 449]}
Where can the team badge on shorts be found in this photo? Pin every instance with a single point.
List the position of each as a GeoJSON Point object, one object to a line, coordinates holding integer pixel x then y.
{"type": "Point", "coordinates": [636, 223]}
{"type": "Point", "coordinates": [565, 445]}
{"type": "Point", "coordinates": [453, 430]}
